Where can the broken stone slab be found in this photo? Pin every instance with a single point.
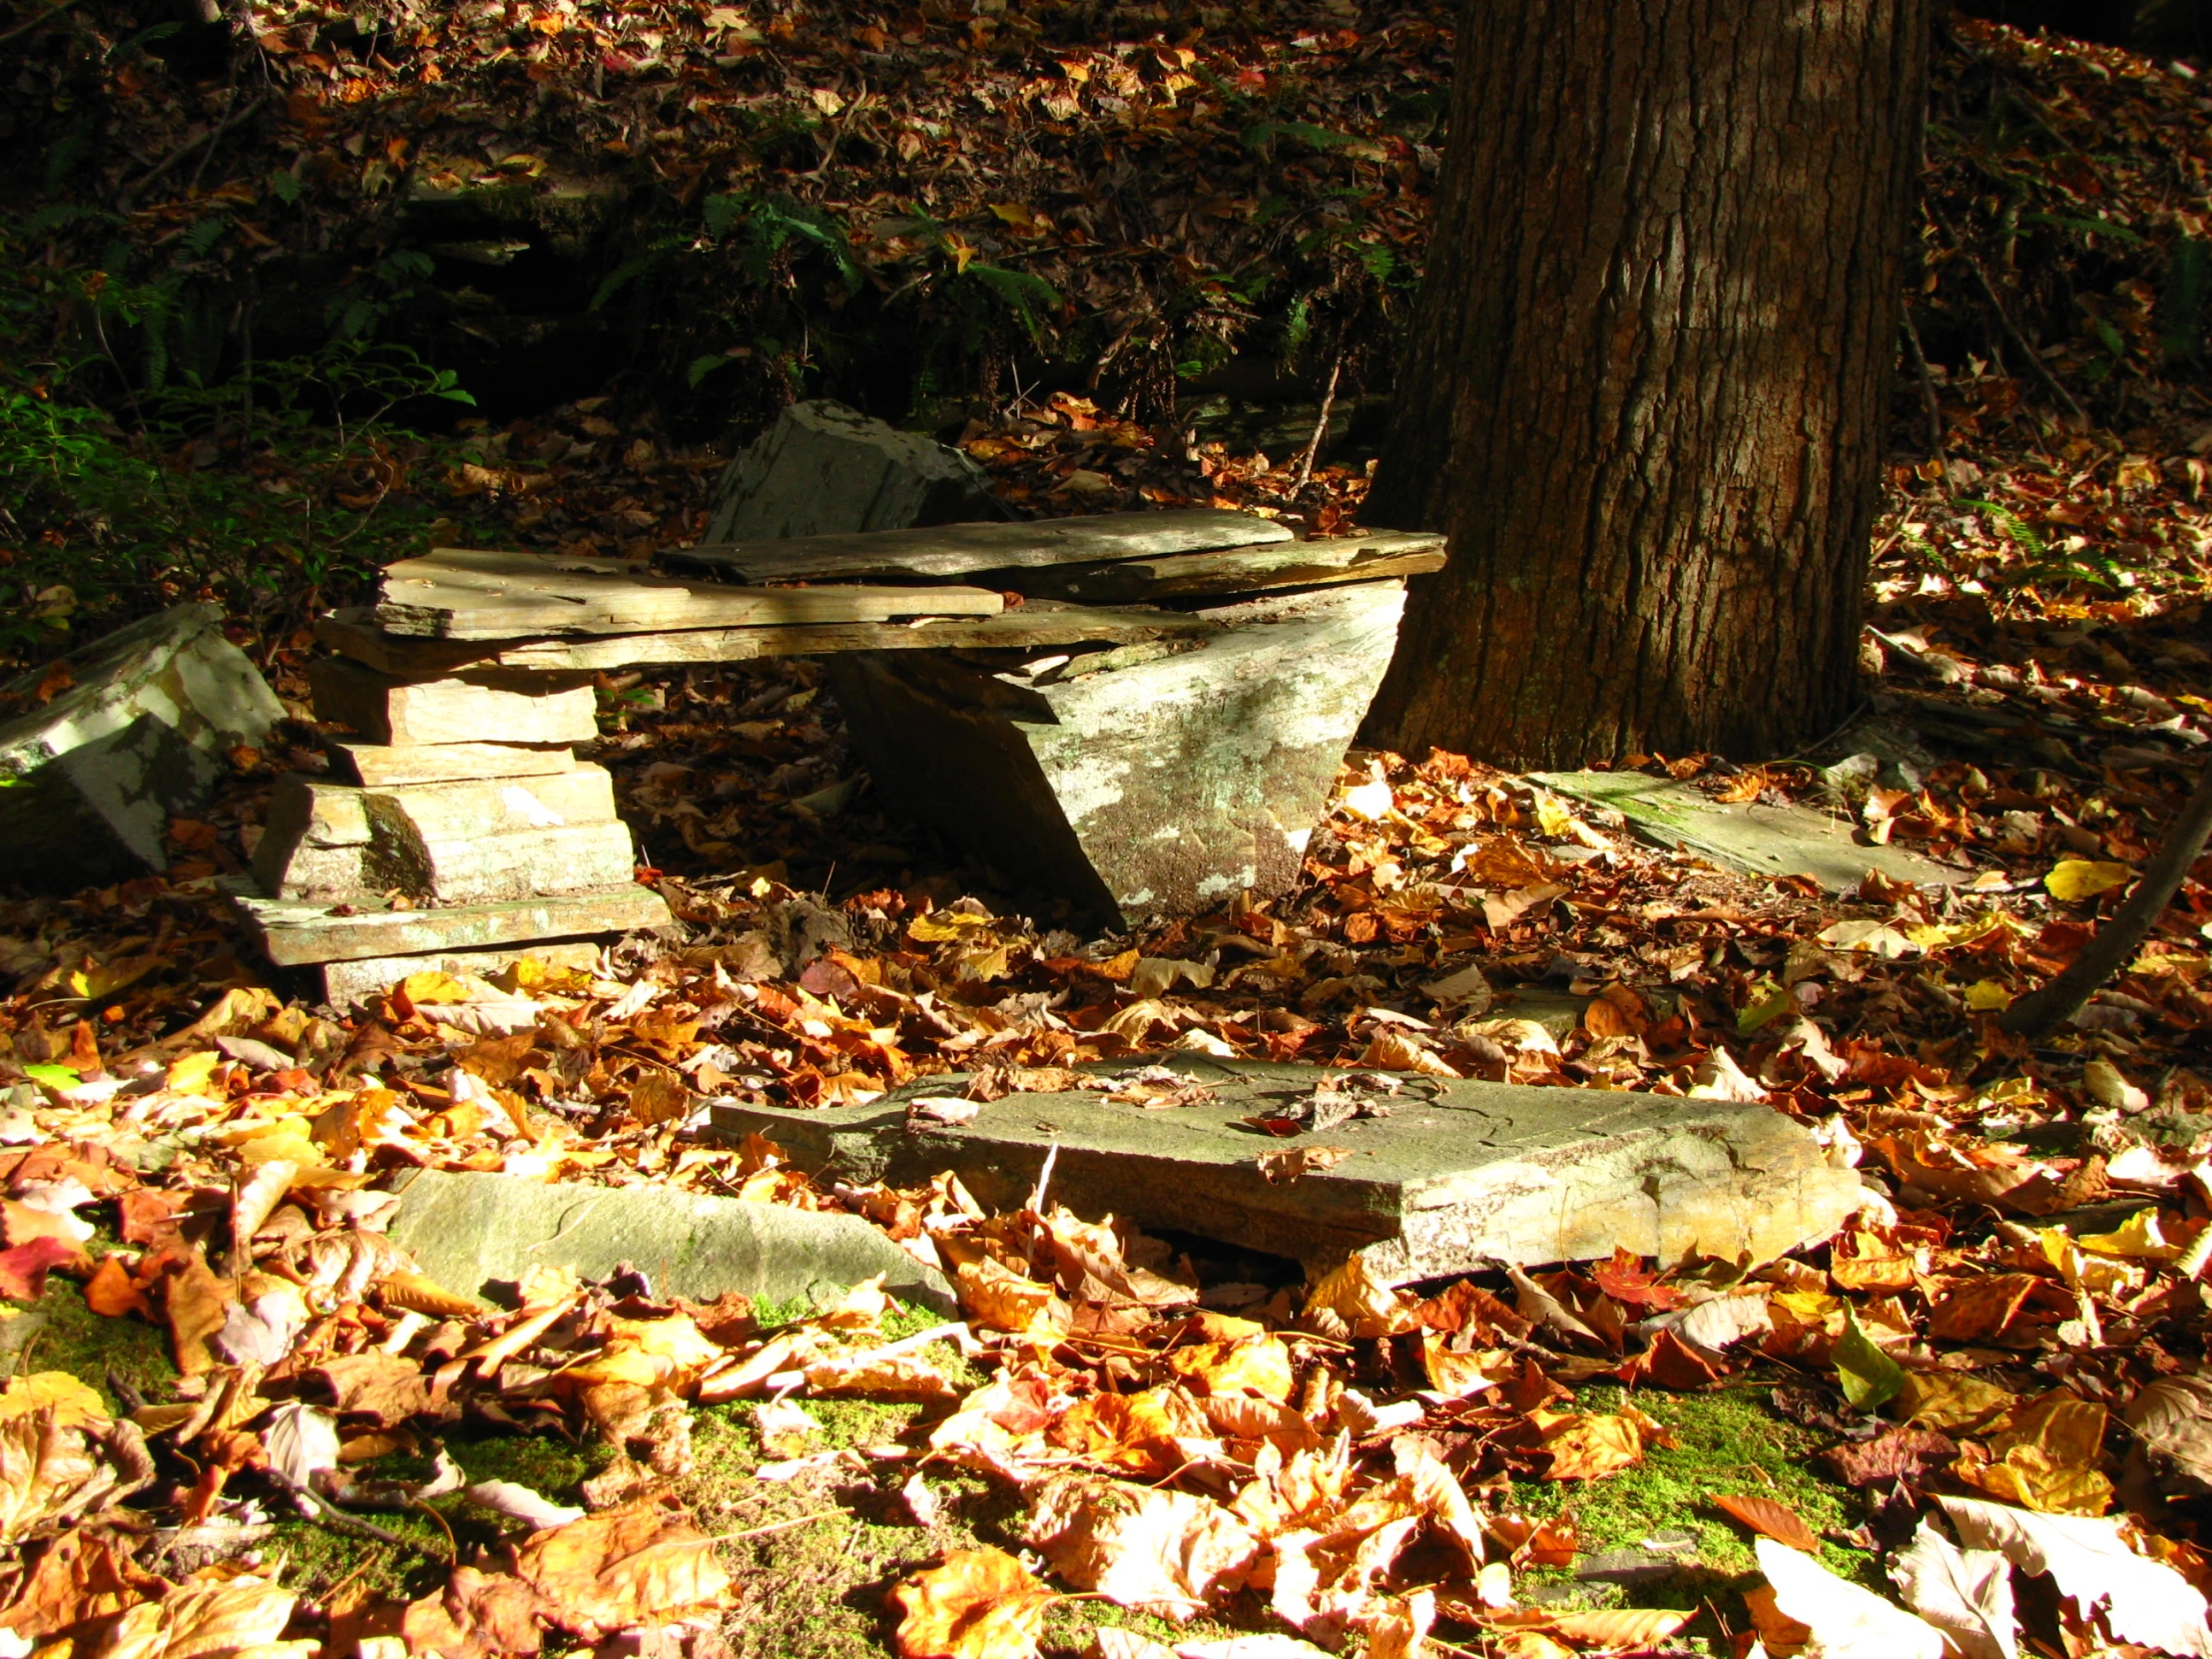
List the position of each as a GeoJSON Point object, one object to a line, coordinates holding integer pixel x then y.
{"type": "Point", "coordinates": [824, 468]}
{"type": "Point", "coordinates": [478, 1234]}
{"type": "Point", "coordinates": [473, 707]}
{"type": "Point", "coordinates": [93, 774]}
{"type": "Point", "coordinates": [1160, 786]}
{"type": "Point", "coordinates": [443, 763]}
{"type": "Point", "coordinates": [465, 843]}
{"type": "Point", "coordinates": [296, 933]}
{"type": "Point", "coordinates": [351, 984]}
{"type": "Point", "coordinates": [1748, 837]}
{"type": "Point", "coordinates": [1456, 1176]}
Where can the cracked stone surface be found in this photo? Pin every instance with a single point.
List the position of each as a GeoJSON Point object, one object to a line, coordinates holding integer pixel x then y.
{"type": "Point", "coordinates": [478, 1233]}
{"type": "Point", "coordinates": [1455, 1176]}
{"type": "Point", "coordinates": [95, 773]}
{"type": "Point", "coordinates": [1160, 782]}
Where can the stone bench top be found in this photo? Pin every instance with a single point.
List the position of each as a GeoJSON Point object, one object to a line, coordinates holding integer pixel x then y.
{"type": "Point", "coordinates": [1079, 581]}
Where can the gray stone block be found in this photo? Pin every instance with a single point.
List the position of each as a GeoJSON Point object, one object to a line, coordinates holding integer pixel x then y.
{"type": "Point", "coordinates": [481, 706]}
{"type": "Point", "coordinates": [1458, 1174]}
{"type": "Point", "coordinates": [296, 932]}
{"type": "Point", "coordinates": [465, 843]}
{"type": "Point", "coordinates": [90, 780]}
{"type": "Point", "coordinates": [826, 469]}
{"type": "Point", "coordinates": [1160, 783]}
{"type": "Point", "coordinates": [472, 1233]}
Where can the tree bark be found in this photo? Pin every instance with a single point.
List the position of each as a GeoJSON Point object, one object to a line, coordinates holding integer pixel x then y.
{"type": "Point", "coordinates": [1648, 378]}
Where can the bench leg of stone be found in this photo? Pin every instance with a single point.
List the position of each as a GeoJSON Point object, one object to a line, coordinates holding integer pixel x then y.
{"type": "Point", "coordinates": [1158, 789]}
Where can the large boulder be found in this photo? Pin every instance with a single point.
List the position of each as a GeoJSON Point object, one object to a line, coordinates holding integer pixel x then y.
{"type": "Point", "coordinates": [826, 469]}
{"type": "Point", "coordinates": [91, 777]}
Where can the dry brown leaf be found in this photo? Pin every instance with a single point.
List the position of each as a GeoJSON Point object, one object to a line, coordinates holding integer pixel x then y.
{"type": "Point", "coordinates": [1774, 1519]}
{"type": "Point", "coordinates": [380, 1386]}
{"type": "Point", "coordinates": [640, 1565]}
{"type": "Point", "coordinates": [78, 1577]}
{"type": "Point", "coordinates": [1964, 1593]}
{"type": "Point", "coordinates": [477, 1615]}
{"type": "Point", "coordinates": [1585, 1446]}
{"type": "Point", "coordinates": [1618, 1627]}
{"type": "Point", "coordinates": [1257, 1365]}
{"type": "Point", "coordinates": [980, 1604]}
{"type": "Point", "coordinates": [1168, 1553]}
{"type": "Point", "coordinates": [232, 1618]}
{"type": "Point", "coordinates": [2088, 1558]}
{"type": "Point", "coordinates": [197, 1304]}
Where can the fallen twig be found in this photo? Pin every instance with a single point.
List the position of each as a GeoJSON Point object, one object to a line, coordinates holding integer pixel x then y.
{"type": "Point", "coordinates": [185, 149]}
{"type": "Point", "coordinates": [2055, 1004]}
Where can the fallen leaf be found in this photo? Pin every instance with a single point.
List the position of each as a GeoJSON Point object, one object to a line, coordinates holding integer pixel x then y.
{"type": "Point", "coordinates": [2073, 880]}
{"type": "Point", "coordinates": [1771, 1518]}
{"type": "Point", "coordinates": [1964, 1593]}
{"type": "Point", "coordinates": [1907, 1454]}
{"type": "Point", "coordinates": [1845, 1622]}
{"type": "Point", "coordinates": [1587, 1448]}
{"type": "Point", "coordinates": [506, 1498]}
{"type": "Point", "coordinates": [2172, 1420]}
{"type": "Point", "coordinates": [237, 1617]}
{"type": "Point", "coordinates": [24, 1267]}
{"type": "Point", "coordinates": [74, 1403]}
{"type": "Point", "coordinates": [2089, 1561]}
{"type": "Point", "coordinates": [1168, 1553]}
{"type": "Point", "coordinates": [637, 1564]}
{"type": "Point", "coordinates": [110, 1292]}
{"type": "Point", "coordinates": [300, 1441]}
{"type": "Point", "coordinates": [1869, 1375]}
{"type": "Point", "coordinates": [979, 1604]}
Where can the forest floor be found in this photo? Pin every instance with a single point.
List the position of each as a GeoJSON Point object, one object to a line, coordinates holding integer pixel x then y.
{"type": "Point", "coordinates": [2009, 1343]}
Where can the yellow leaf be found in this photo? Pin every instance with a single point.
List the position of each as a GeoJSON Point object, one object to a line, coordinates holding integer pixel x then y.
{"type": "Point", "coordinates": [1988, 996]}
{"type": "Point", "coordinates": [1256, 1366]}
{"type": "Point", "coordinates": [74, 1404]}
{"type": "Point", "coordinates": [1588, 1447]}
{"type": "Point", "coordinates": [2073, 880]}
{"type": "Point", "coordinates": [981, 1604]}
{"type": "Point", "coordinates": [2138, 1239]}
{"type": "Point", "coordinates": [434, 987]}
{"type": "Point", "coordinates": [940, 925]}
{"type": "Point", "coordinates": [1948, 1401]}
{"type": "Point", "coordinates": [189, 1073]}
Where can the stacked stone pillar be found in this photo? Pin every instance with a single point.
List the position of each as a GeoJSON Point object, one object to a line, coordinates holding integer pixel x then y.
{"type": "Point", "coordinates": [457, 831]}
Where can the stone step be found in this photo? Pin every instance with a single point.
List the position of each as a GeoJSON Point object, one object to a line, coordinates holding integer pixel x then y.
{"type": "Point", "coordinates": [459, 842]}
{"type": "Point", "coordinates": [297, 933]}
{"type": "Point", "coordinates": [1455, 1176]}
{"type": "Point", "coordinates": [475, 707]}
{"type": "Point", "coordinates": [380, 764]}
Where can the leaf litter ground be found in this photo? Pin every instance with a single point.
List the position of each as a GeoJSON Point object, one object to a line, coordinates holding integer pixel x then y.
{"type": "Point", "coordinates": [241, 1422]}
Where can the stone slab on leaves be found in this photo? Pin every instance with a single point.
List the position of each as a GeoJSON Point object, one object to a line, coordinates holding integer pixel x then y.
{"type": "Point", "coordinates": [826, 468]}
{"type": "Point", "coordinates": [1159, 787]}
{"type": "Point", "coordinates": [477, 707]}
{"type": "Point", "coordinates": [357, 983]}
{"type": "Point", "coordinates": [470, 1232]}
{"type": "Point", "coordinates": [299, 932]}
{"type": "Point", "coordinates": [90, 777]}
{"type": "Point", "coordinates": [1456, 1175]}
{"type": "Point", "coordinates": [1750, 838]}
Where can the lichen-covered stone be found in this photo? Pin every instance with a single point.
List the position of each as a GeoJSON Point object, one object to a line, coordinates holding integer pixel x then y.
{"type": "Point", "coordinates": [1159, 785]}
{"type": "Point", "coordinates": [1454, 1177]}
{"type": "Point", "coordinates": [90, 779]}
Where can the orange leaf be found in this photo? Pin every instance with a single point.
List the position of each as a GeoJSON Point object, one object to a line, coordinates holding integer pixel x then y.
{"type": "Point", "coordinates": [981, 1604]}
{"type": "Point", "coordinates": [110, 1290]}
{"type": "Point", "coordinates": [1777, 1520]}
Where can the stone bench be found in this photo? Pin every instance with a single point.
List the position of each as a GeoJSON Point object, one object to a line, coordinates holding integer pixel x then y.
{"type": "Point", "coordinates": [1143, 711]}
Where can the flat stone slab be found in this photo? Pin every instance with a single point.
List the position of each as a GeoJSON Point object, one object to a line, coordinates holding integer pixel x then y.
{"type": "Point", "coordinates": [1143, 781]}
{"type": "Point", "coordinates": [135, 733]}
{"type": "Point", "coordinates": [1752, 838]}
{"type": "Point", "coordinates": [1456, 1176]}
{"type": "Point", "coordinates": [475, 1233]}
{"type": "Point", "coordinates": [296, 932]}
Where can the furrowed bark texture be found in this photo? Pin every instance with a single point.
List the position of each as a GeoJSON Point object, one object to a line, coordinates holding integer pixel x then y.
{"type": "Point", "coordinates": [1649, 371]}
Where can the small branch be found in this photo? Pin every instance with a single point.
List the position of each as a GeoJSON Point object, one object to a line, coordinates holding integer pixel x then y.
{"type": "Point", "coordinates": [190, 144]}
{"type": "Point", "coordinates": [1321, 426]}
{"type": "Point", "coordinates": [2043, 1010]}
{"type": "Point", "coordinates": [1927, 396]}
{"type": "Point", "coordinates": [323, 1512]}
{"type": "Point", "coordinates": [26, 27]}
{"type": "Point", "coordinates": [1997, 303]}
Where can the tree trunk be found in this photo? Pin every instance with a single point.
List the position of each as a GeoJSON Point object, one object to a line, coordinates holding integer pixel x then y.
{"type": "Point", "coordinates": [1648, 378]}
